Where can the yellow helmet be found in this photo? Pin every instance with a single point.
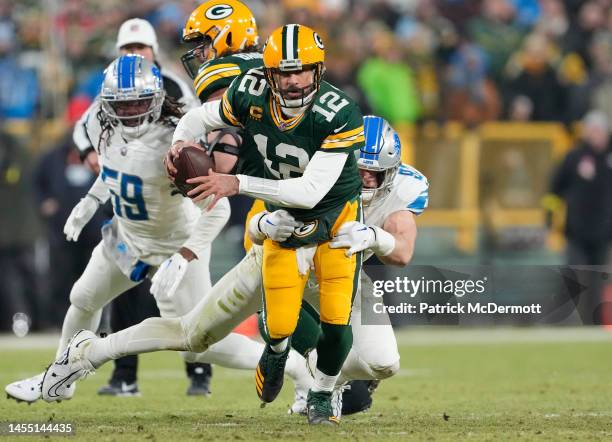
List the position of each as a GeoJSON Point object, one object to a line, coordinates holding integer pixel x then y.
{"type": "Point", "coordinates": [221, 27]}
{"type": "Point", "coordinates": [293, 48]}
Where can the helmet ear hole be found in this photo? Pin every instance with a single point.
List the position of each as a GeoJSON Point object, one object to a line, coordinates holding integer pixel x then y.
{"type": "Point", "coordinates": [228, 39]}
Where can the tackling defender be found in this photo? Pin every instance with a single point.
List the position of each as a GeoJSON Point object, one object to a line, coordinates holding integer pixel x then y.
{"type": "Point", "coordinates": [393, 193]}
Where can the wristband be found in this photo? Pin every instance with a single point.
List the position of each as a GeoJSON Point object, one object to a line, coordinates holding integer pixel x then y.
{"type": "Point", "coordinates": [384, 242]}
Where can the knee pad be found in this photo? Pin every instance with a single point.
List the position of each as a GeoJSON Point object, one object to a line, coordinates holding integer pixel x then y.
{"type": "Point", "coordinates": [80, 298]}
{"type": "Point", "coordinates": [280, 327]}
{"type": "Point", "coordinates": [386, 370]}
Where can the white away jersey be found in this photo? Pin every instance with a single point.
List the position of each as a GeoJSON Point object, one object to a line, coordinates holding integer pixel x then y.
{"type": "Point", "coordinates": [153, 222]}
{"type": "Point", "coordinates": [409, 191]}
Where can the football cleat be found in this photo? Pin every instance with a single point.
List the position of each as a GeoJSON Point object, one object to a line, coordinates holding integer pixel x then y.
{"type": "Point", "coordinates": [336, 401]}
{"type": "Point", "coordinates": [71, 366]}
{"type": "Point", "coordinates": [199, 386]}
{"type": "Point", "coordinates": [320, 409]}
{"type": "Point", "coordinates": [26, 390]}
{"type": "Point", "coordinates": [357, 396]}
{"type": "Point", "coordinates": [119, 389]}
{"type": "Point", "coordinates": [270, 373]}
{"type": "Point", "coordinates": [299, 405]}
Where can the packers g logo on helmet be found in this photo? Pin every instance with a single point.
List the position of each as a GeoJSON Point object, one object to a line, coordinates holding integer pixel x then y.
{"type": "Point", "coordinates": [218, 12]}
{"type": "Point", "coordinates": [218, 28]}
{"type": "Point", "coordinates": [318, 41]}
{"type": "Point", "coordinates": [290, 48]}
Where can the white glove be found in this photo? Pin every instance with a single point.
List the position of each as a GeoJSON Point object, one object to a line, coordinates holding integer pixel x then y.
{"type": "Point", "coordinates": [357, 237]}
{"type": "Point", "coordinates": [169, 275]}
{"type": "Point", "coordinates": [353, 236]}
{"type": "Point", "coordinates": [79, 217]}
{"type": "Point", "coordinates": [278, 226]}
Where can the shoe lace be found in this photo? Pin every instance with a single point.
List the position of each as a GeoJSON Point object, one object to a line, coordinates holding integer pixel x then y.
{"type": "Point", "coordinates": [320, 404]}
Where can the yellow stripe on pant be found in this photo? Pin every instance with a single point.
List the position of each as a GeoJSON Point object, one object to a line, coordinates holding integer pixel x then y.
{"type": "Point", "coordinates": [258, 206]}
{"type": "Point", "coordinates": [338, 278]}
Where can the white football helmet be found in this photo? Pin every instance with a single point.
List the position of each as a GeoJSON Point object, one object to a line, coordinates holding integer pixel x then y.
{"type": "Point", "coordinates": [381, 154]}
{"type": "Point", "coordinates": [132, 93]}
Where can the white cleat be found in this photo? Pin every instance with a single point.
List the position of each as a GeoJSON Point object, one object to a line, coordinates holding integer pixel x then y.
{"type": "Point", "coordinates": [299, 405]}
{"type": "Point", "coordinates": [336, 401]}
{"type": "Point", "coordinates": [58, 381]}
{"type": "Point", "coordinates": [303, 380]}
{"type": "Point", "coordinates": [26, 390]}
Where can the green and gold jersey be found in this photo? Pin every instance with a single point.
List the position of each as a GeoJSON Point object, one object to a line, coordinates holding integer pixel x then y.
{"type": "Point", "coordinates": [333, 123]}
{"type": "Point", "coordinates": [218, 74]}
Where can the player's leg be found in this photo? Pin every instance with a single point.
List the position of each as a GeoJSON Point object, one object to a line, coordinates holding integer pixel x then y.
{"type": "Point", "coordinates": [233, 298]}
{"type": "Point", "coordinates": [233, 351]}
{"type": "Point", "coordinates": [338, 277]}
{"type": "Point", "coordinates": [283, 287]}
{"type": "Point", "coordinates": [374, 355]}
{"type": "Point", "coordinates": [101, 282]}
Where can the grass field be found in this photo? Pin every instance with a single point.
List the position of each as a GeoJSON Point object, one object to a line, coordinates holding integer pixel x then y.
{"type": "Point", "coordinates": [510, 384]}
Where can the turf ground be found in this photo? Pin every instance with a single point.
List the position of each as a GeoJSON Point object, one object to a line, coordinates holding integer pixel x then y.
{"type": "Point", "coordinates": [509, 384]}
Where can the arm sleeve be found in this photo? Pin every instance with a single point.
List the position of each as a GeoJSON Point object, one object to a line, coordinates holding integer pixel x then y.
{"type": "Point", "coordinates": [208, 226]}
{"type": "Point", "coordinates": [99, 191]}
{"type": "Point", "coordinates": [197, 122]}
{"type": "Point", "coordinates": [79, 133]}
{"type": "Point", "coordinates": [304, 192]}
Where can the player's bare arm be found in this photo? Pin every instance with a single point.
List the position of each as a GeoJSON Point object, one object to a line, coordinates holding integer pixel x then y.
{"type": "Point", "coordinates": [402, 226]}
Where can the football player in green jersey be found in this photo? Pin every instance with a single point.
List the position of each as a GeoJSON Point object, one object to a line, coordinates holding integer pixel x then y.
{"type": "Point", "coordinates": [224, 39]}
{"type": "Point", "coordinates": [306, 131]}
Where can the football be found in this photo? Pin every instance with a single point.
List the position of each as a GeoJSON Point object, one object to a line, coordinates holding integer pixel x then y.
{"type": "Point", "coordinates": [191, 162]}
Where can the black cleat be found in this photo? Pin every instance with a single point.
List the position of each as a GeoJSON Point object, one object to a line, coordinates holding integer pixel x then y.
{"type": "Point", "coordinates": [319, 408]}
{"type": "Point", "coordinates": [199, 386]}
{"type": "Point", "coordinates": [270, 373]}
{"type": "Point", "coordinates": [119, 389]}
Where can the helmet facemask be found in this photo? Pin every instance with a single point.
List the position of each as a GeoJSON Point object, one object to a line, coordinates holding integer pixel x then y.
{"type": "Point", "coordinates": [132, 94]}
{"type": "Point", "coordinates": [384, 180]}
{"type": "Point", "coordinates": [202, 52]}
{"type": "Point", "coordinates": [300, 97]}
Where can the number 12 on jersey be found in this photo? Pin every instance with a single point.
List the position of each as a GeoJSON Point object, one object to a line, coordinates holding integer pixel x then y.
{"type": "Point", "coordinates": [129, 203]}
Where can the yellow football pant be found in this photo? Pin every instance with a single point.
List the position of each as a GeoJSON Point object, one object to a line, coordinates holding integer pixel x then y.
{"type": "Point", "coordinates": [338, 277]}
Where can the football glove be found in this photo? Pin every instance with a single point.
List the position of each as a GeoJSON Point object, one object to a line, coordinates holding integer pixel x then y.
{"type": "Point", "coordinates": [80, 216]}
{"type": "Point", "coordinates": [169, 275]}
{"type": "Point", "coordinates": [357, 237]}
{"type": "Point", "coordinates": [278, 226]}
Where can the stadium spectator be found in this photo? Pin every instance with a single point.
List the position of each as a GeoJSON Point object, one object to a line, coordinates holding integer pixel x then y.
{"type": "Point", "coordinates": [18, 232]}
{"type": "Point", "coordinates": [584, 181]}
{"type": "Point", "coordinates": [497, 32]}
{"type": "Point", "coordinates": [471, 97]}
{"type": "Point", "coordinates": [531, 73]}
{"type": "Point", "coordinates": [60, 181]}
{"type": "Point", "coordinates": [19, 88]}
{"type": "Point", "coordinates": [388, 82]}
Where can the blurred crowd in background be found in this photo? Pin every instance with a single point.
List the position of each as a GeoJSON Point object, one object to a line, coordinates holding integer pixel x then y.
{"type": "Point", "coordinates": [410, 61]}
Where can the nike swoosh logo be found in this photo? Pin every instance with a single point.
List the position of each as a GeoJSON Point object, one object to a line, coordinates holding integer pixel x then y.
{"type": "Point", "coordinates": [340, 128]}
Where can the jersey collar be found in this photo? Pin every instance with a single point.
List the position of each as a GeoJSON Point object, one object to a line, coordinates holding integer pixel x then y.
{"type": "Point", "coordinates": [281, 122]}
